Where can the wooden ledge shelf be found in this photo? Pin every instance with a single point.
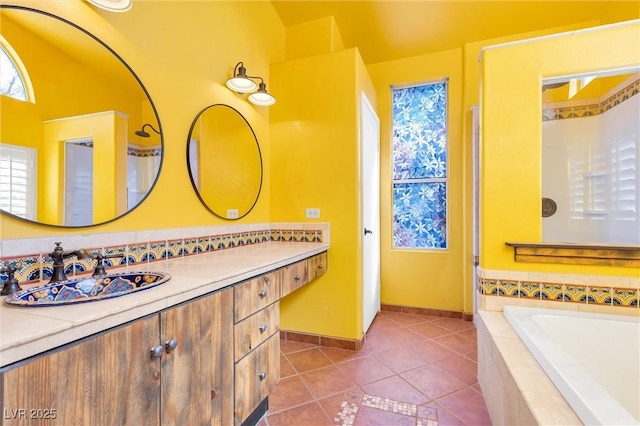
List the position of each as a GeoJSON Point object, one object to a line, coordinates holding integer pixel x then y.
{"type": "Point", "coordinates": [577, 254]}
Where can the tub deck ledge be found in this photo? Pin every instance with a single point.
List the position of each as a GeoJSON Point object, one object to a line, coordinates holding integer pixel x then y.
{"type": "Point", "coordinates": [514, 385]}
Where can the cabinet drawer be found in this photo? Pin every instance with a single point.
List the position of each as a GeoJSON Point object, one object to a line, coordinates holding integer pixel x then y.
{"type": "Point", "coordinates": [256, 375]}
{"type": "Point", "coordinates": [252, 331]}
{"type": "Point", "coordinates": [293, 277]}
{"type": "Point", "coordinates": [318, 265]}
{"type": "Point", "coordinates": [255, 294]}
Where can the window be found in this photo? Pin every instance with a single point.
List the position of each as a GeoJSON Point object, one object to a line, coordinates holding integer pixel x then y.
{"type": "Point", "coordinates": [14, 81]}
{"type": "Point", "coordinates": [18, 180]}
{"type": "Point", "coordinates": [420, 166]}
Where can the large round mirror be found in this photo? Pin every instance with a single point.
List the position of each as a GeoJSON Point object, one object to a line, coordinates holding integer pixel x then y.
{"type": "Point", "coordinates": [225, 163]}
{"type": "Point", "coordinates": [80, 138]}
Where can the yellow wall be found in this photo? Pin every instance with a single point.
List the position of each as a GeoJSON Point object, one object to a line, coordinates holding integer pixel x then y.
{"type": "Point", "coordinates": [313, 38]}
{"type": "Point", "coordinates": [511, 134]}
{"type": "Point", "coordinates": [183, 52]}
{"type": "Point", "coordinates": [422, 278]}
{"type": "Point", "coordinates": [315, 163]}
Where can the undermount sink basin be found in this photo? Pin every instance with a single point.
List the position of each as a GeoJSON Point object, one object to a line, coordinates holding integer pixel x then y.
{"type": "Point", "coordinates": [88, 289]}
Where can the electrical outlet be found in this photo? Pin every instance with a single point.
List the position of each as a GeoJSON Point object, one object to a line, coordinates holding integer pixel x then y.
{"type": "Point", "coordinates": [232, 213]}
{"type": "Point", "coordinates": [313, 213]}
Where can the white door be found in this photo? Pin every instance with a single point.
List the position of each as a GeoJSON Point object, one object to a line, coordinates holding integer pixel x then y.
{"type": "Point", "coordinates": [476, 203]}
{"type": "Point", "coordinates": [78, 182]}
{"type": "Point", "coordinates": [370, 179]}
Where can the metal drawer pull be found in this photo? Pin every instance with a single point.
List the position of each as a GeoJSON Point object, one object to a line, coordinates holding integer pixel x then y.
{"type": "Point", "coordinates": [262, 376]}
{"type": "Point", "coordinates": [297, 278]}
{"type": "Point", "coordinates": [262, 328]}
{"type": "Point", "coordinates": [170, 345]}
{"type": "Point", "coordinates": [157, 351]}
{"type": "Point", "coordinates": [263, 294]}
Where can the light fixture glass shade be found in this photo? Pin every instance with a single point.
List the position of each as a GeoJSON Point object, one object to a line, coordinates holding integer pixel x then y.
{"type": "Point", "coordinates": [112, 5]}
{"type": "Point", "coordinates": [241, 84]}
{"type": "Point", "coordinates": [262, 97]}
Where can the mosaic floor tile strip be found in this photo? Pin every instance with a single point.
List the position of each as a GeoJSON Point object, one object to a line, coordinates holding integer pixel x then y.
{"type": "Point", "coordinates": [423, 417]}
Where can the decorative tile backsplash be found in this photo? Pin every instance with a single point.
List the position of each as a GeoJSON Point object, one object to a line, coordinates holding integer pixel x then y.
{"type": "Point", "coordinates": [39, 266]}
{"type": "Point", "coordinates": [561, 292]}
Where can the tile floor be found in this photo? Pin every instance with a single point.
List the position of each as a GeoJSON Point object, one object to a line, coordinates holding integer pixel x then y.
{"type": "Point", "coordinates": [413, 370]}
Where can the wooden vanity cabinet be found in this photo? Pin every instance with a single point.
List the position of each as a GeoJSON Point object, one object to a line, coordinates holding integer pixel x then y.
{"type": "Point", "coordinates": [112, 378]}
{"type": "Point", "coordinates": [212, 360]}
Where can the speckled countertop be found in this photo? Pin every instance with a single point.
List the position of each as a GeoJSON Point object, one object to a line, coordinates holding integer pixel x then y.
{"type": "Point", "coordinates": [28, 331]}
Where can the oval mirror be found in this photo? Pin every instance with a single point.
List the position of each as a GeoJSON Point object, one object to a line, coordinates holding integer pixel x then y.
{"type": "Point", "coordinates": [224, 161]}
{"type": "Point", "coordinates": [80, 138]}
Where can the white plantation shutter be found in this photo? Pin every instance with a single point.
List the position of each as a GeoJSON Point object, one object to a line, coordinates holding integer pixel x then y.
{"type": "Point", "coordinates": [624, 177]}
{"type": "Point", "coordinates": [18, 180]}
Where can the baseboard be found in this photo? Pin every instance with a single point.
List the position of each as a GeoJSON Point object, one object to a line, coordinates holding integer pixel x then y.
{"type": "Point", "coordinates": [356, 345]}
{"type": "Point", "coordinates": [427, 311]}
{"type": "Point", "coordinates": [329, 342]}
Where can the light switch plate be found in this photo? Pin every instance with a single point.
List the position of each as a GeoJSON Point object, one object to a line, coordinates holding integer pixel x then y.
{"type": "Point", "coordinates": [232, 213]}
{"type": "Point", "coordinates": [313, 213]}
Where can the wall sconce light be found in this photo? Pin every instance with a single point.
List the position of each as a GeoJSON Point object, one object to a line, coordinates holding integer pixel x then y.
{"type": "Point", "coordinates": [243, 83]}
{"type": "Point", "coordinates": [144, 134]}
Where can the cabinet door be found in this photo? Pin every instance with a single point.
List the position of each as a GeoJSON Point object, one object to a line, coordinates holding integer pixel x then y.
{"type": "Point", "coordinates": [256, 376]}
{"type": "Point", "coordinates": [317, 265]}
{"type": "Point", "coordinates": [107, 379]}
{"type": "Point", "coordinates": [293, 277]}
{"type": "Point", "coordinates": [197, 375]}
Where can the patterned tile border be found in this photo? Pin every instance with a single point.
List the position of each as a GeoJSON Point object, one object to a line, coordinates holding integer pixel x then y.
{"type": "Point", "coordinates": [573, 293]}
{"type": "Point", "coordinates": [579, 111]}
{"type": "Point", "coordinates": [144, 151]}
{"type": "Point", "coordinates": [36, 267]}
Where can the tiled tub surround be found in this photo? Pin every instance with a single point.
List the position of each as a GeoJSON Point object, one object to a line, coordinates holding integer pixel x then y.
{"type": "Point", "coordinates": [31, 255]}
{"type": "Point", "coordinates": [516, 389]}
{"type": "Point", "coordinates": [29, 331]}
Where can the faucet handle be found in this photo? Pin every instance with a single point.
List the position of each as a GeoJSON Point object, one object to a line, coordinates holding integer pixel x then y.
{"type": "Point", "coordinates": [11, 284]}
{"type": "Point", "coordinates": [98, 270]}
{"type": "Point", "coordinates": [57, 251]}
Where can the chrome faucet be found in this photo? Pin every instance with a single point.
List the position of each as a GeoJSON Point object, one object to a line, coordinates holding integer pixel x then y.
{"type": "Point", "coordinates": [59, 256]}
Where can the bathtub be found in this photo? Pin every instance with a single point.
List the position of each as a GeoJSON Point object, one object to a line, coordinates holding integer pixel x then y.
{"type": "Point", "coordinates": [593, 360]}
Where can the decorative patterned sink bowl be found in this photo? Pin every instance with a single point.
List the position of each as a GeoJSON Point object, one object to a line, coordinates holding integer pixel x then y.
{"type": "Point", "coordinates": [87, 289]}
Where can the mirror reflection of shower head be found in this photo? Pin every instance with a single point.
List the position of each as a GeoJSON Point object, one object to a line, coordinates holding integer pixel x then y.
{"type": "Point", "coordinates": [144, 134]}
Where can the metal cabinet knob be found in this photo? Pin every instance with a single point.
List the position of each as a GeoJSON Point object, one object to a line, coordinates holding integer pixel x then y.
{"type": "Point", "coordinates": [157, 351]}
{"type": "Point", "coordinates": [262, 375]}
{"type": "Point", "coordinates": [263, 294]}
{"type": "Point", "coordinates": [170, 345]}
{"type": "Point", "coordinates": [297, 278]}
{"type": "Point", "coordinates": [262, 328]}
